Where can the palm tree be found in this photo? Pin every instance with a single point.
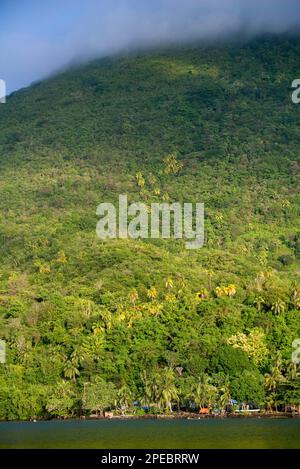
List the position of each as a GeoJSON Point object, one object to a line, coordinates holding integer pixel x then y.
{"type": "Point", "coordinates": [270, 401]}
{"type": "Point", "coordinates": [168, 390]}
{"type": "Point", "coordinates": [77, 356]}
{"type": "Point", "coordinates": [152, 293]}
{"type": "Point", "coordinates": [224, 397]}
{"type": "Point", "coordinates": [270, 381]}
{"type": "Point", "coordinates": [278, 307]}
{"type": "Point", "coordinates": [151, 387]}
{"type": "Point", "coordinates": [259, 302]}
{"type": "Point", "coordinates": [71, 370]}
{"type": "Point", "coordinates": [133, 296]}
{"type": "Point", "coordinates": [204, 393]}
{"type": "Point", "coordinates": [124, 397]}
{"type": "Point", "coordinates": [274, 378]}
{"type": "Point", "coordinates": [97, 327]}
{"type": "Point", "coordinates": [292, 370]}
{"type": "Point", "coordinates": [106, 316]}
{"type": "Point", "coordinates": [169, 284]}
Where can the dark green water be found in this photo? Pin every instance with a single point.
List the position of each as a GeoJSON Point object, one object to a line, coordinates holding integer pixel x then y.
{"type": "Point", "coordinates": [184, 434]}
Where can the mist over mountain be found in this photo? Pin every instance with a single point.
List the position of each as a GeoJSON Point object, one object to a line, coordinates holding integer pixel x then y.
{"type": "Point", "coordinates": [189, 124]}
{"type": "Point", "coordinates": [37, 38]}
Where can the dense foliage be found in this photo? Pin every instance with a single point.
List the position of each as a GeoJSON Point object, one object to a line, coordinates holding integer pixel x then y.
{"type": "Point", "coordinates": [92, 324]}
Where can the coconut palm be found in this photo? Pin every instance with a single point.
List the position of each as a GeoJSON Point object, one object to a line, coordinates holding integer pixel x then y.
{"type": "Point", "coordinates": [274, 378]}
{"type": "Point", "coordinates": [133, 296]}
{"type": "Point", "coordinates": [124, 398]}
{"type": "Point", "coordinates": [71, 370]}
{"type": "Point", "coordinates": [204, 393]}
{"type": "Point", "coordinates": [292, 370]}
{"type": "Point", "coordinates": [151, 384]}
{"type": "Point", "coordinates": [168, 390]}
{"type": "Point", "coordinates": [152, 293]}
{"type": "Point", "coordinates": [224, 397]}
{"type": "Point", "coordinates": [278, 307]}
{"type": "Point", "coordinates": [270, 381]}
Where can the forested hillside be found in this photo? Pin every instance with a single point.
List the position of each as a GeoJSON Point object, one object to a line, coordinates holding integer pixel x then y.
{"type": "Point", "coordinates": [92, 324]}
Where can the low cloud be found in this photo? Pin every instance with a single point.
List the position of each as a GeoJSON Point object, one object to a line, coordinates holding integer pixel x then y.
{"type": "Point", "coordinates": [38, 37]}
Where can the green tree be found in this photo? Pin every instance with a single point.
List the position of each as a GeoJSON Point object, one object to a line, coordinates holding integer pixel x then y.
{"type": "Point", "coordinates": [124, 398]}
{"type": "Point", "coordinates": [204, 393]}
{"type": "Point", "coordinates": [168, 390]}
{"type": "Point", "coordinates": [62, 399]}
{"type": "Point", "coordinates": [71, 370]}
{"type": "Point", "coordinates": [98, 395]}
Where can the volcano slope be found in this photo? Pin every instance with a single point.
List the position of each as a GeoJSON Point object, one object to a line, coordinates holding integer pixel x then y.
{"type": "Point", "coordinates": [135, 318]}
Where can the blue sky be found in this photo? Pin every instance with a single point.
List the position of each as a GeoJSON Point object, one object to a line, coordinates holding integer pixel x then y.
{"type": "Point", "coordinates": [38, 37]}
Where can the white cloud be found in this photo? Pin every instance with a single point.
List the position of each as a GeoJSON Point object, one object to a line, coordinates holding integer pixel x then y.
{"type": "Point", "coordinates": [39, 37]}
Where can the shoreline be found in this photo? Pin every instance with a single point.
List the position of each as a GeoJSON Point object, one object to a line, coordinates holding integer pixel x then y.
{"type": "Point", "coordinates": [175, 416]}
